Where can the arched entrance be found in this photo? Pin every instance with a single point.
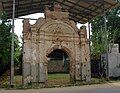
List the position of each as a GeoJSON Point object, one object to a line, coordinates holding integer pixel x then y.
{"type": "Point", "coordinates": [60, 63]}
{"type": "Point", "coordinates": [51, 36]}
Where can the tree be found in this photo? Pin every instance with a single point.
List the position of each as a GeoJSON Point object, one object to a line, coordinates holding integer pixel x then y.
{"type": "Point", "coordinates": [5, 44]}
{"type": "Point", "coordinates": [98, 33]}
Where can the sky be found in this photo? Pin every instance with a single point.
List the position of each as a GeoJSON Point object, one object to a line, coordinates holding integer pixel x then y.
{"type": "Point", "coordinates": [19, 24]}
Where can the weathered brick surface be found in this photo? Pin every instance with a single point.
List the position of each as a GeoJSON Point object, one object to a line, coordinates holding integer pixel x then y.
{"type": "Point", "coordinates": [55, 31]}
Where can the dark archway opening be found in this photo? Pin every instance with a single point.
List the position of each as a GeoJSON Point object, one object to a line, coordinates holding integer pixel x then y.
{"type": "Point", "coordinates": [58, 61]}
{"type": "Point", "coordinates": [58, 67]}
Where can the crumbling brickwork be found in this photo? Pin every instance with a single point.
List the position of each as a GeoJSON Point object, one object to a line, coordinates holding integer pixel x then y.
{"type": "Point", "coordinates": [55, 31]}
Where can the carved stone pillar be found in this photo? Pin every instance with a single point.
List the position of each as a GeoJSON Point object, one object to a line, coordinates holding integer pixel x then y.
{"type": "Point", "coordinates": [85, 59]}
{"type": "Point", "coordinates": [42, 61]}
{"type": "Point", "coordinates": [26, 52]}
{"type": "Point", "coordinates": [34, 55]}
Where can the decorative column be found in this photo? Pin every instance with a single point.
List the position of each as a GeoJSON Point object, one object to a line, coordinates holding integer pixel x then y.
{"type": "Point", "coordinates": [78, 59]}
{"type": "Point", "coordinates": [85, 59]}
{"type": "Point", "coordinates": [34, 55]}
{"type": "Point", "coordinates": [26, 52]}
{"type": "Point", "coordinates": [43, 61]}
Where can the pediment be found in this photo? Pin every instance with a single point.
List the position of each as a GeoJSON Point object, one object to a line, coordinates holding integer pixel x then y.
{"type": "Point", "coordinates": [57, 26]}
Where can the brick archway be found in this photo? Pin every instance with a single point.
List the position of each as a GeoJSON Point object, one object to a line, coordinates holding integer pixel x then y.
{"type": "Point", "coordinates": [50, 33]}
{"type": "Point", "coordinates": [63, 48]}
{"type": "Point", "coordinates": [71, 59]}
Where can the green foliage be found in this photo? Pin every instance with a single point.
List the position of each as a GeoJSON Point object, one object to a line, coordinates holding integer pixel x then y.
{"type": "Point", "coordinates": [98, 32]}
{"type": "Point", "coordinates": [5, 44]}
{"type": "Point", "coordinates": [3, 16]}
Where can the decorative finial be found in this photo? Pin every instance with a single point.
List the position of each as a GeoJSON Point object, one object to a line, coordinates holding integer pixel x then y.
{"type": "Point", "coordinates": [57, 7]}
{"type": "Point", "coordinates": [46, 7]}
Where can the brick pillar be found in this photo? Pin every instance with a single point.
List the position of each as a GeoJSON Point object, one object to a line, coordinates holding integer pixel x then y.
{"type": "Point", "coordinates": [26, 52]}
{"type": "Point", "coordinates": [34, 55]}
{"type": "Point", "coordinates": [42, 60]}
{"type": "Point", "coordinates": [85, 64]}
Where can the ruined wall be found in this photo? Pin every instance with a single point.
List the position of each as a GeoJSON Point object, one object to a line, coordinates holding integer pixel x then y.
{"type": "Point", "coordinates": [50, 33]}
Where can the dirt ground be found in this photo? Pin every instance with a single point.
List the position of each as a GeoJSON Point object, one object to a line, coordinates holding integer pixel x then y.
{"type": "Point", "coordinates": [99, 88]}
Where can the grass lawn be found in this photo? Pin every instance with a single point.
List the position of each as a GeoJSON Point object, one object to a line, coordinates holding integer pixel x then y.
{"type": "Point", "coordinates": [5, 81]}
{"type": "Point", "coordinates": [53, 79]}
{"type": "Point", "coordinates": [58, 76]}
{"type": "Point", "coordinates": [56, 79]}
